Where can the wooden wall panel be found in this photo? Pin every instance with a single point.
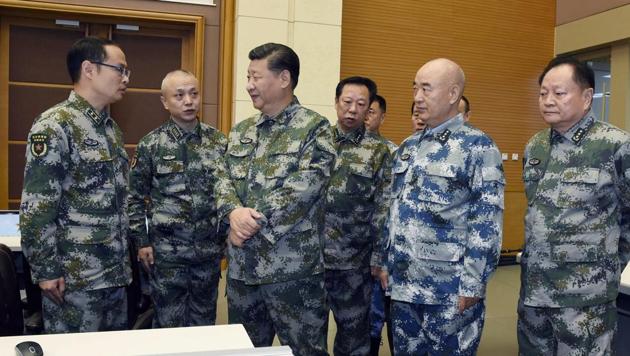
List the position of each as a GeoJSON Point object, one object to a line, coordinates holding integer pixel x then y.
{"type": "Point", "coordinates": [502, 47]}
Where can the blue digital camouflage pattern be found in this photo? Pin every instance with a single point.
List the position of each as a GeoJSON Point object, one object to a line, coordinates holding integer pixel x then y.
{"type": "Point", "coordinates": [73, 214]}
{"type": "Point", "coordinates": [577, 227]}
{"type": "Point", "coordinates": [172, 184]}
{"type": "Point", "coordinates": [356, 200]}
{"type": "Point", "coordinates": [446, 216]}
{"type": "Point", "coordinates": [421, 329]}
{"type": "Point", "coordinates": [279, 166]}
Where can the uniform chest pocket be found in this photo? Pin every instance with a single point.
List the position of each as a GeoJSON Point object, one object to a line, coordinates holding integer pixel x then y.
{"type": "Point", "coordinates": [282, 161]}
{"type": "Point", "coordinates": [238, 159]}
{"type": "Point", "coordinates": [438, 183]}
{"type": "Point", "coordinates": [360, 180]}
{"type": "Point", "coordinates": [577, 187]}
{"type": "Point", "coordinates": [531, 178]}
{"type": "Point", "coordinates": [398, 178]}
{"type": "Point", "coordinates": [95, 169]}
{"type": "Point", "coordinates": [170, 176]}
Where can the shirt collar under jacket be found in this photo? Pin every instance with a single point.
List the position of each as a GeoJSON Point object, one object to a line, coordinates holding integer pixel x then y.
{"type": "Point", "coordinates": [177, 133]}
{"type": "Point", "coordinates": [443, 130]}
{"type": "Point", "coordinates": [82, 105]}
{"type": "Point", "coordinates": [284, 116]}
{"type": "Point", "coordinates": [355, 136]}
{"type": "Point", "coordinates": [577, 132]}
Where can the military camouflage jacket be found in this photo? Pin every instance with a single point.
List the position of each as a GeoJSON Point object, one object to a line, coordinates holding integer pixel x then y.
{"type": "Point", "coordinates": [279, 166]}
{"type": "Point", "coordinates": [177, 170]}
{"type": "Point", "coordinates": [73, 216]}
{"type": "Point", "coordinates": [356, 200]}
{"type": "Point", "coordinates": [446, 218]}
{"type": "Point", "coordinates": [577, 226]}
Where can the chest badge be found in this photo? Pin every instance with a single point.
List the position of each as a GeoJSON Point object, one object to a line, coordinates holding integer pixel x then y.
{"type": "Point", "coordinates": [39, 145]}
{"type": "Point", "coordinates": [90, 142]}
{"type": "Point", "coordinates": [405, 157]}
{"type": "Point", "coordinates": [246, 140]}
{"type": "Point", "coordinates": [168, 158]}
{"type": "Point", "coordinates": [533, 161]}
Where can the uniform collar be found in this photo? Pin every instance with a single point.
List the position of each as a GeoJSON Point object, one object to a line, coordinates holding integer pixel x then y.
{"type": "Point", "coordinates": [284, 116]}
{"type": "Point", "coordinates": [177, 133]}
{"type": "Point", "coordinates": [443, 131]}
{"type": "Point", "coordinates": [81, 104]}
{"type": "Point", "coordinates": [577, 132]}
{"type": "Point", "coordinates": [355, 136]}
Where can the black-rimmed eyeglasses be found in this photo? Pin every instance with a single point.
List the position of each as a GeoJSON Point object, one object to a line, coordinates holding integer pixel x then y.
{"type": "Point", "coordinates": [124, 71]}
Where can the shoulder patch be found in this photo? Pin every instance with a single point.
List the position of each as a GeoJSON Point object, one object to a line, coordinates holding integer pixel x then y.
{"type": "Point", "coordinates": [39, 144]}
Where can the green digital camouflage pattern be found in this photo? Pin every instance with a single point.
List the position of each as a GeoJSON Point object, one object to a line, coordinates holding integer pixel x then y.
{"type": "Point", "coordinates": [175, 172]}
{"type": "Point", "coordinates": [73, 216]}
{"type": "Point", "coordinates": [87, 311]}
{"type": "Point", "coordinates": [279, 166]}
{"type": "Point", "coordinates": [577, 226]}
{"type": "Point", "coordinates": [584, 331]}
{"type": "Point", "coordinates": [356, 200]}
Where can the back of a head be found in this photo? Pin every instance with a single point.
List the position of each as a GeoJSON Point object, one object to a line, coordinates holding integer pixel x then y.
{"type": "Point", "coordinates": [87, 48]}
{"type": "Point", "coordinates": [279, 57]}
{"type": "Point", "coordinates": [356, 80]}
{"type": "Point", "coordinates": [583, 74]}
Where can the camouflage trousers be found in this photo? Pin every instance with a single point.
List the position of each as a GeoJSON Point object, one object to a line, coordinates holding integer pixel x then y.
{"type": "Point", "coordinates": [349, 295]}
{"type": "Point", "coordinates": [86, 311]}
{"type": "Point", "coordinates": [294, 310]}
{"type": "Point", "coordinates": [185, 295]}
{"type": "Point", "coordinates": [421, 329]}
{"type": "Point", "coordinates": [567, 331]}
{"type": "Point", "coordinates": [379, 315]}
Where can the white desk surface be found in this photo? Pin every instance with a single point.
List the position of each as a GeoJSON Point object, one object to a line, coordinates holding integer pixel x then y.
{"type": "Point", "coordinates": [137, 342]}
{"type": "Point", "coordinates": [624, 285]}
{"type": "Point", "coordinates": [13, 242]}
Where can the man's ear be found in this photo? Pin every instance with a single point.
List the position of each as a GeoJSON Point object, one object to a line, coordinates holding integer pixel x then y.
{"type": "Point", "coordinates": [454, 92]}
{"type": "Point", "coordinates": [285, 78]}
{"type": "Point", "coordinates": [164, 103]}
{"type": "Point", "coordinates": [587, 95]}
{"type": "Point", "coordinates": [88, 69]}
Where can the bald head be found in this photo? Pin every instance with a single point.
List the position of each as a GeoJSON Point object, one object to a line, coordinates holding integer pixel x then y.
{"type": "Point", "coordinates": [438, 86]}
{"type": "Point", "coordinates": [176, 76]}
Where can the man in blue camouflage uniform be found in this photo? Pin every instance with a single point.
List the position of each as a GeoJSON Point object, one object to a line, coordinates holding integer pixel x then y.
{"type": "Point", "coordinates": [445, 222]}
{"type": "Point", "coordinates": [278, 165]}
{"type": "Point", "coordinates": [172, 184]}
{"type": "Point", "coordinates": [577, 226]}
{"type": "Point", "coordinates": [73, 214]}
{"type": "Point", "coordinates": [356, 208]}
{"type": "Point", "coordinates": [380, 305]}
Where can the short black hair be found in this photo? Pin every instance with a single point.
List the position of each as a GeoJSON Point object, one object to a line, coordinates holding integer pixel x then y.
{"type": "Point", "coordinates": [356, 80]}
{"type": "Point", "coordinates": [381, 102]}
{"type": "Point", "coordinates": [583, 74]}
{"type": "Point", "coordinates": [466, 104]}
{"type": "Point", "coordinates": [86, 49]}
{"type": "Point", "coordinates": [279, 57]}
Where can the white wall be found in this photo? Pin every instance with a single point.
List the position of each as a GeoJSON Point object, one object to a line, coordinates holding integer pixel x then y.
{"type": "Point", "coordinates": [311, 27]}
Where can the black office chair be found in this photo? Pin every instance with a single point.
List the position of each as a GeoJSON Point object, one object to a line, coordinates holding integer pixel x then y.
{"type": "Point", "coordinates": [11, 318]}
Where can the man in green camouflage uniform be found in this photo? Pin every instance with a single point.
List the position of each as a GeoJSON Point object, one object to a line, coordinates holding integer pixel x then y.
{"type": "Point", "coordinates": [172, 185]}
{"type": "Point", "coordinates": [356, 208]}
{"type": "Point", "coordinates": [376, 117]}
{"type": "Point", "coordinates": [380, 304]}
{"type": "Point", "coordinates": [577, 227]}
{"type": "Point", "coordinates": [73, 216]}
{"type": "Point", "coordinates": [278, 164]}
